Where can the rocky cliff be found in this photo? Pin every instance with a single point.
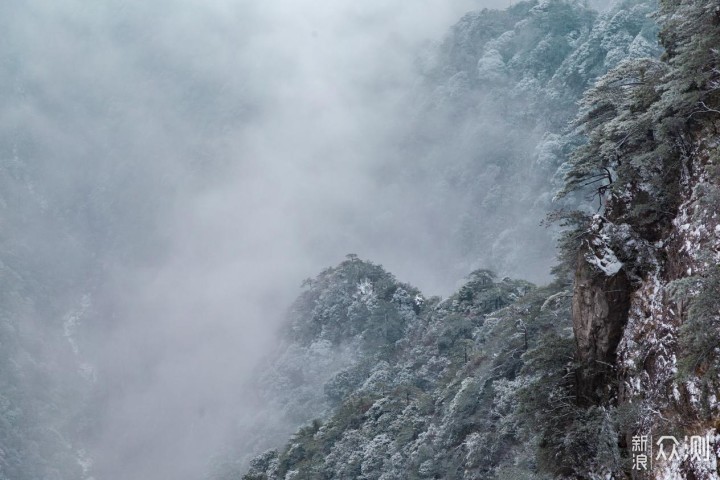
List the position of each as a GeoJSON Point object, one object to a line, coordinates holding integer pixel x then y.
{"type": "Point", "coordinates": [646, 305]}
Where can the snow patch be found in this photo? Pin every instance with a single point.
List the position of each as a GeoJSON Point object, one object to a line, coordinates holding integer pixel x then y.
{"type": "Point", "coordinates": [606, 261]}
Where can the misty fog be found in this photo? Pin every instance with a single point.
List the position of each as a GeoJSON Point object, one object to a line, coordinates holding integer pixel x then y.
{"type": "Point", "coordinates": [206, 157]}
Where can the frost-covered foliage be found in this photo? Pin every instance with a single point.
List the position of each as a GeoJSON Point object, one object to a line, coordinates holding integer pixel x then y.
{"type": "Point", "coordinates": [458, 397]}
{"type": "Point", "coordinates": [490, 135]}
{"type": "Point", "coordinates": [691, 37]}
{"type": "Point", "coordinates": [349, 318]}
{"type": "Point", "coordinates": [700, 334]}
{"type": "Point", "coordinates": [341, 334]}
{"type": "Point", "coordinates": [354, 302]}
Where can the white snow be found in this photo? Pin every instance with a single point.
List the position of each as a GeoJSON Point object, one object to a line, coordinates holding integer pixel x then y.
{"type": "Point", "coordinates": [606, 261]}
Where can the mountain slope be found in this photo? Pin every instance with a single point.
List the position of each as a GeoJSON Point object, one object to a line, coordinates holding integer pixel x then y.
{"type": "Point", "coordinates": [434, 398]}
{"type": "Point", "coordinates": [647, 266]}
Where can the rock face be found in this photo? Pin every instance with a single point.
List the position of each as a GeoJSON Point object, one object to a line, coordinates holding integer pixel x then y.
{"type": "Point", "coordinates": [647, 328]}
{"type": "Point", "coordinates": [667, 358]}
{"type": "Point", "coordinates": [600, 308]}
{"type": "Point", "coordinates": [651, 127]}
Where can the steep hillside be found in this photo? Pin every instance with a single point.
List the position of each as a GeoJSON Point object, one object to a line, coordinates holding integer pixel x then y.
{"type": "Point", "coordinates": [645, 307]}
{"type": "Point", "coordinates": [435, 381]}
{"type": "Point", "coordinates": [490, 130]}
